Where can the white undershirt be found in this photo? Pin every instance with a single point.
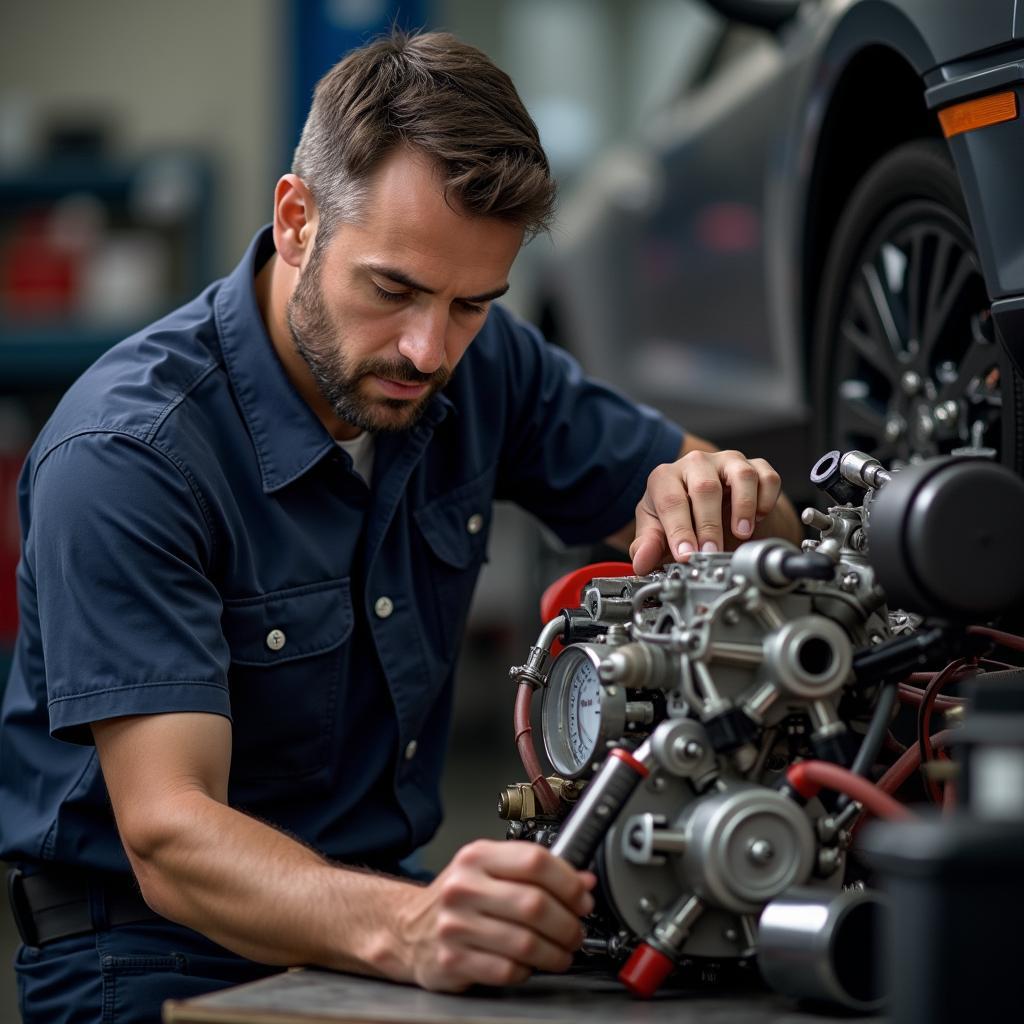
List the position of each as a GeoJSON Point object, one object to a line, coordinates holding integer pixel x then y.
{"type": "Point", "coordinates": [361, 451]}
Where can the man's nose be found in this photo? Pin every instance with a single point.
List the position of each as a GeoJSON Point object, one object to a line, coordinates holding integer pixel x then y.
{"type": "Point", "coordinates": [424, 341]}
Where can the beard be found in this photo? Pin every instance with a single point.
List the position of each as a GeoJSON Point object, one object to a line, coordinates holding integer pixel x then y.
{"type": "Point", "coordinates": [320, 344]}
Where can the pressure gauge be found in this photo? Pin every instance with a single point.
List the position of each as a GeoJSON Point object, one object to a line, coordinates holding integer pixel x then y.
{"type": "Point", "coordinates": [579, 715]}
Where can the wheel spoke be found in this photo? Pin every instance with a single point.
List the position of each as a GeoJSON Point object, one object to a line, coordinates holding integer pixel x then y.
{"type": "Point", "coordinates": [939, 313]}
{"type": "Point", "coordinates": [915, 261]}
{"type": "Point", "coordinates": [940, 263]}
{"type": "Point", "coordinates": [905, 358]}
{"type": "Point", "coordinates": [859, 416]}
{"type": "Point", "coordinates": [882, 309]}
{"type": "Point", "coordinates": [878, 354]}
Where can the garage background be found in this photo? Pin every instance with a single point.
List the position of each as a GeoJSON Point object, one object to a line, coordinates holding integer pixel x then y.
{"type": "Point", "coordinates": [151, 135]}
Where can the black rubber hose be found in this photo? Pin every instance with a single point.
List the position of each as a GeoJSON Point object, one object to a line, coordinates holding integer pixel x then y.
{"type": "Point", "coordinates": [874, 738]}
{"type": "Point", "coordinates": [808, 565]}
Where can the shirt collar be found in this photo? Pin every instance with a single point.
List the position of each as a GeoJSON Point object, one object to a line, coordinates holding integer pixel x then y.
{"type": "Point", "coordinates": [287, 435]}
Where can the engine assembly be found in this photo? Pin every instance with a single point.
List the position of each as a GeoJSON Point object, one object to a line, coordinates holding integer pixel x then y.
{"type": "Point", "coordinates": [711, 726]}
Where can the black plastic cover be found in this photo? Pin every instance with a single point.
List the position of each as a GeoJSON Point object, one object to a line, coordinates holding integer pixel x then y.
{"type": "Point", "coordinates": [946, 538]}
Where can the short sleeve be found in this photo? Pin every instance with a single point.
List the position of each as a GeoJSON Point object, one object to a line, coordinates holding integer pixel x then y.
{"type": "Point", "coordinates": [117, 544]}
{"type": "Point", "coordinates": [577, 452]}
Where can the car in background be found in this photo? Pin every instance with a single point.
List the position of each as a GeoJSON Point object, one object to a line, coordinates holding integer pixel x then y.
{"type": "Point", "coordinates": [824, 229]}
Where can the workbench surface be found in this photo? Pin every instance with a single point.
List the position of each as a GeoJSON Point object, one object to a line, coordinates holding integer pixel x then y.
{"type": "Point", "coordinates": [305, 996]}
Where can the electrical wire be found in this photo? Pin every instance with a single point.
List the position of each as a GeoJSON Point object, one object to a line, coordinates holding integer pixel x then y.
{"type": "Point", "coordinates": [924, 721]}
{"type": "Point", "coordinates": [909, 762]}
{"type": "Point", "coordinates": [873, 738]}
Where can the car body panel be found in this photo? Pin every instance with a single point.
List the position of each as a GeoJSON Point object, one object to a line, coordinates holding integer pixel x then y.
{"type": "Point", "coordinates": [692, 260]}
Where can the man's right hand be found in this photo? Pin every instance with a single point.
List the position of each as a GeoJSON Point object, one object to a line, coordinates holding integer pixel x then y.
{"type": "Point", "coordinates": [498, 911]}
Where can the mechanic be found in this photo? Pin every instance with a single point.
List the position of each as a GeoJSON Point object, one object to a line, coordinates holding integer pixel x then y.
{"type": "Point", "coordinates": [250, 537]}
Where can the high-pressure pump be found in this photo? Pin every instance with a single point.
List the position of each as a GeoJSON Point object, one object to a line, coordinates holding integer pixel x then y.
{"type": "Point", "coordinates": [713, 727]}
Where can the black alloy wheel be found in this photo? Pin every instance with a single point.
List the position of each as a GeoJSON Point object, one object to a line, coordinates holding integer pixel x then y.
{"type": "Point", "coordinates": [907, 363]}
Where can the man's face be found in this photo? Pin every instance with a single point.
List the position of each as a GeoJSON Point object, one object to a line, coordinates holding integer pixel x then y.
{"type": "Point", "coordinates": [383, 312]}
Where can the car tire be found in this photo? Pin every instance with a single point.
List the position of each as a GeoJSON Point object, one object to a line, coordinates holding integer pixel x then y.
{"type": "Point", "coordinates": [906, 363]}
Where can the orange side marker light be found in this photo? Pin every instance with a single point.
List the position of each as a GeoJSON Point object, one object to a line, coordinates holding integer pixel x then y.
{"type": "Point", "coordinates": [979, 113]}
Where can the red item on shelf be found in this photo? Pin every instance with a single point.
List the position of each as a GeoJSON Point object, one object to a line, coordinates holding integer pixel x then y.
{"type": "Point", "coordinates": [37, 278]}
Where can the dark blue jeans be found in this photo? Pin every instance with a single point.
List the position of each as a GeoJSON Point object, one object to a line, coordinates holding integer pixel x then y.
{"type": "Point", "coordinates": [123, 975]}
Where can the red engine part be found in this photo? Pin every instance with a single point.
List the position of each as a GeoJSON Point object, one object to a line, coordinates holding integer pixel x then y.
{"type": "Point", "coordinates": [646, 970]}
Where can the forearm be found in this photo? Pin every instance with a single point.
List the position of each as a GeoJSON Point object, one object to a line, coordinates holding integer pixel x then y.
{"type": "Point", "coordinates": [264, 895]}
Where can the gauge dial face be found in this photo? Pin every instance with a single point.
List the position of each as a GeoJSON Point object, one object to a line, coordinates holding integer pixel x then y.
{"type": "Point", "coordinates": [582, 716]}
{"type": "Point", "coordinates": [578, 711]}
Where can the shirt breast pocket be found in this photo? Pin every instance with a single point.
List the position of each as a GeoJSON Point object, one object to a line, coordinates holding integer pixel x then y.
{"type": "Point", "coordinates": [288, 653]}
{"type": "Point", "coordinates": [455, 527]}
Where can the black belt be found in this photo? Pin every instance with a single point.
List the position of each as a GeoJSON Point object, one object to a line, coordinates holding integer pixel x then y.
{"type": "Point", "coordinates": [53, 905]}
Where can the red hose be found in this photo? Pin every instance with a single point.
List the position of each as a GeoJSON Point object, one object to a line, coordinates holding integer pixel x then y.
{"type": "Point", "coordinates": [808, 777]}
{"type": "Point", "coordinates": [1009, 640]}
{"type": "Point", "coordinates": [524, 744]}
{"type": "Point", "coordinates": [915, 694]}
{"type": "Point", "coordinates": [910, 761]}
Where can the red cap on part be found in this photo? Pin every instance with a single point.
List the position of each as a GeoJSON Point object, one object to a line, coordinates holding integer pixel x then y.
{"type": "Point", "coordinates": [646, 970]}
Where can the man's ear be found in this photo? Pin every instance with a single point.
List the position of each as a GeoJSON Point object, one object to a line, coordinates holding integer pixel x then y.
{"type": "Point", "coordinates": [295, 220]}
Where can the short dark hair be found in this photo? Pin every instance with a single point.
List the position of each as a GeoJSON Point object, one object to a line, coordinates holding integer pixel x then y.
{"type": "Point", "coordinates": [441, 96]}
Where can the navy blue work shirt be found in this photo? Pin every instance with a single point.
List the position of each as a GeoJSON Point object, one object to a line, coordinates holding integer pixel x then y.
{"type": "Point", "coordinates": [195, 541]}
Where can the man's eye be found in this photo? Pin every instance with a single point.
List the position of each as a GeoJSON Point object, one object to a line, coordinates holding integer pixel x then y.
{"type": "Point", "coordinates": [472, 307]}
{"type": "Point", "coordinates": [390, 296]}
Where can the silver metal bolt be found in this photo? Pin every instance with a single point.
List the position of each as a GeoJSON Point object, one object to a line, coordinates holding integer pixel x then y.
{"type": "Point", "coordinates": [760, 851]}
{"type": "Point", "coordinates": [829, 861]}
{"type": "Point", "coordinates": [947, 412]}
{"type": "Point", "coordinates": [730, 935]}
{"type": "Point", "coordinates": [718, 575]}
{"type": "Point", "coordinates": [849, 582]}
{"type": "Point", "coordinates": [818, 520]}
{"type": "Point", "coordinates": [911, 382]}
{"type": "Point", "coordinates": [731, 617]}
{"type": "Point", "coordinates": [894, 427]}
{"type": "Point", "coordinates": [646, 905]}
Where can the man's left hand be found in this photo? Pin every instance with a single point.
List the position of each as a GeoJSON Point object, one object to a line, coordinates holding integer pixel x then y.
{"type": "Point", "coordinates": [708, 501]}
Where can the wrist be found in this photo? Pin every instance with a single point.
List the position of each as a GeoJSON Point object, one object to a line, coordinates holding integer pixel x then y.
{"type": "Point", "coordinates": [372, 925]}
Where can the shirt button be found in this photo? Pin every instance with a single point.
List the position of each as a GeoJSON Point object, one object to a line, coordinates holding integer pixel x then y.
{"type": "Point", "coordinates": [383, 606]}
{"type": "Point", "coordinates": [410, 750]}
{"type": "Point", "coordinates": [475, 523]}
{"type": "Point", "coordinates": [276, 639]}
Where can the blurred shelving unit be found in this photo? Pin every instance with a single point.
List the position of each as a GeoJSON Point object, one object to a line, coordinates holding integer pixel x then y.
{"type": "Point", "coordinates": [91, 249]}
{"type": "Point", "coordinates": [109, 246]}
